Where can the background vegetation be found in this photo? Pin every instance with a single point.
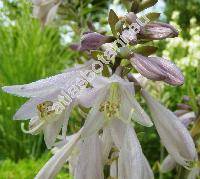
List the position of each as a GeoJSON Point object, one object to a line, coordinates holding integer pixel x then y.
{"type": "Point", "coordinates": [29, 52]}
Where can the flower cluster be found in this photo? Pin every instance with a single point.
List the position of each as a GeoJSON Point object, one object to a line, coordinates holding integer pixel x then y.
{"type": "Point", "coordinates": [107, 139]}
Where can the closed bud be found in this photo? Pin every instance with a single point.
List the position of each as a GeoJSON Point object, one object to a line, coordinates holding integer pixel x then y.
{"type": "Point", "coordinates": [157, 30]}
{"type": "Point", "coordinates": [93, 40]}
{"type": "Point", "coordinates": [159, 69]}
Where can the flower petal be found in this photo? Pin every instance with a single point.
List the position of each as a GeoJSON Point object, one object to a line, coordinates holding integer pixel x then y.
{"type": "Point", "coordinates": [41, 87]}
{"type": "Point", "coordinates": [130, 108]}
{"type": "Point", "coordinates": [168, 164]}
{"type": "Point", "coordinates": [173, 133]}
{"type": "Point", "coordinates": [90, 162]}
{"type": "Point", "coordinates": [53, 166]}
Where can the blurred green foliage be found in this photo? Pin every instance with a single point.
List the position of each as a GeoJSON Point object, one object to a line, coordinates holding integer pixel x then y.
{"type": "Point", "coordinates": [27, 53]}
{"type": "Point", "coordinates": [27, 168]}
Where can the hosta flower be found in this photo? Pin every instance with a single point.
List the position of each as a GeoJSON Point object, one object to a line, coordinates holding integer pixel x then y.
{"type": "Point", "coordinates": [186, 117]}
{"type": "Point", "coordinates": [111, 98]}
{"type": "Point", "coordinates": [40, 108]}
{"type": "Point", "coordinates": [45, 10]}
{"type": "Point", "coordinates": [173, 133]}
{"type": "Point", "coordinates": [158, 30]}
{"type": "Point", "coordinates": [159, 69]}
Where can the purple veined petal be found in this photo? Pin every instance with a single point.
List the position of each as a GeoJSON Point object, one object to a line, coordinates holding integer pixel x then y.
{"type": "Point", "coordinates": [41, 87]}
{"type": "Point", "coordinates": [159, 69]}
{"type": "Point", "coordinates": [158, 30]}
{"type": "Point", "coordinates": [168, 164]}
{"type": "Point", "coordinates": [131, 109]}
{"type": "Point", "coordinates": [53, 166]}
{"type": "Point", "coordinates": [90, 161]}
{"type": "Point", "coordinates": [175, 137]}
{"type": "Point", "coordinates": [93, 40]}
{"type": "Point", "coordinates": [147, 68]}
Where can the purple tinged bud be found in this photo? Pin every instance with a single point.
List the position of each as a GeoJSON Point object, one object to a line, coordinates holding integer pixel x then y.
{"type": "Point", "coordinates": [75, 47]}
{"type": "Point", "coordinates": [158, 30]}
{"type": "Point", "coordinates": [93, 40]}
{"type": "Point", "coordinates": [131, 17]}
{"type": "Point", "coordinates": [184, 106]}
{"type": "Point", "coordinates": [159, 69]}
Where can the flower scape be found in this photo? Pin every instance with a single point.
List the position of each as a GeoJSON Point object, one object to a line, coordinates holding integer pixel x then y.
{"type": "Point", "coordinates": [105, 89]}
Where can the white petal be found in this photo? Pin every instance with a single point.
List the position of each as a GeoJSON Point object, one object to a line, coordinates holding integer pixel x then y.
{"type": "Point", "coordinates": [95, 119]}
{"type": "Point", "coordinates": [41, 87]}
{"type": "Point", "coordinates": [168, 164]}
{"type": "Point", "coordinates": [90, 162]}
{"type": "Point", "coordinates": [118, 130]}
{"type": "Point", "coordinates": [53, 166]}
{"type": "Point", "coordinates": [52, 13]}
{"type": "Point", "coordinates": [173, 133]}
{"type": "Point", "coordinates": [147, 171]}
{"type": "Point", "coordinates": [52, 129]}
{"type": "Point", "coordinates": [131, 157]}
{"type": "Point", "coordinates": [88, 96]}
{"type": "Point", "coordinates": [29, 109]}
{"type": "Point", "coordinates": [107, 143]}
{"type": "Point", "coordinates": [130, 108]}
{"type": "Point", "coordinates": [194, 173]}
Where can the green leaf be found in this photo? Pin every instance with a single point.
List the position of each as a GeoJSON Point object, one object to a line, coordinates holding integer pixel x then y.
{"type": "Point", "coordinates": [146, 50]}
{"type": "Point", "coordinates": [153, 16]}
{"type": "Point", "coordinates": [146, 4]}
{"type": "Point", "coordinates": [112, 20]}
{"type": "Point", "coordinates": [192, 96]}
{"type": "Point", "coordinates": [95, 53]}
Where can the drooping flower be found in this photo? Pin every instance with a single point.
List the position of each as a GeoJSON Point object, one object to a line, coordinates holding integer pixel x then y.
{"type": "Point", "coordinates": [45, 10]}
{"type": "Point", "coordinates": [173, 133]}
{"type": "Point", "coordinates": [186, 118]}
{"type": "Point", "coordinates": [159, 69]}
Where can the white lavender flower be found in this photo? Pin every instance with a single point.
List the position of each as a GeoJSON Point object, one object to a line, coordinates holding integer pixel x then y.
{"type": "Point", "coordinates": [111, 98]}
{"type": "Point", "coordinates": [174, 135]}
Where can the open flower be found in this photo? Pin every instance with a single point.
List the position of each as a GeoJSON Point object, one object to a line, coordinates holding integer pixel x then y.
{"type": "Point", "coordinates": [40, 108]}
{"type": "Point", "coordinates": [186, 117]}
{"type": "Point", "coordinates": [111, 98]}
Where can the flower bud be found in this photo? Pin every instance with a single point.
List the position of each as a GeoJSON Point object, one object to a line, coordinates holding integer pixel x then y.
{"type": "Point", "coordinates": [157, 30]}
{"type": "Point", "coordinates": [93, 40]}
{"type": "Point", "coordinates": [159, 69]}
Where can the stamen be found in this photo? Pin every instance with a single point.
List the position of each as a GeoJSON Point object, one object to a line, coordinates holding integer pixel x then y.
{"type": "Point", "coordinates": [45, 109]}
{"type": "Point", "coordinates": [111, 107]}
